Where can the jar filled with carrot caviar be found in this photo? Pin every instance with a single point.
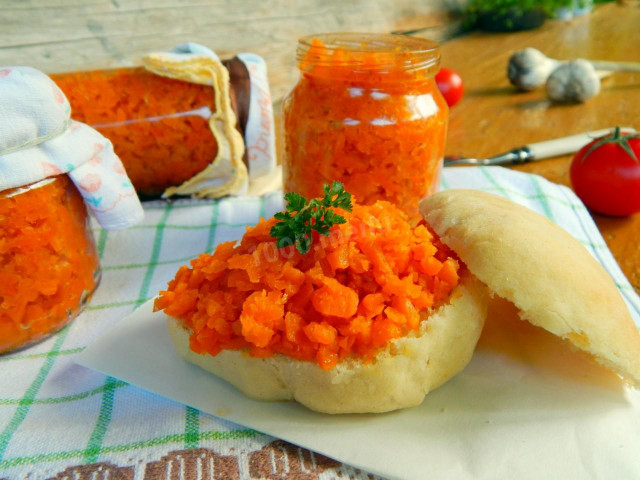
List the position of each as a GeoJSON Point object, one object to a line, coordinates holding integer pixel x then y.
{"type": "Point", "coordinates": [159, 127]}
{"type": "Point", "coordinates": [49, 265]}
{"type": "Point", "coordinates": [367, 112]}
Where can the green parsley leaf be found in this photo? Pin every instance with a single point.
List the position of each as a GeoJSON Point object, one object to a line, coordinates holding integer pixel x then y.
{"type": "Point", "coordinates": [296, 224]}
{"type": "Point", "coordinates": [295, 202]}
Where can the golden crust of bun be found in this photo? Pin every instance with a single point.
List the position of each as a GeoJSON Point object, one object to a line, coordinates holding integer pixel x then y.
{"type": "Point", "coordinates": [549, 276]}
{"type": "Point", "coordinates": [400, 376]}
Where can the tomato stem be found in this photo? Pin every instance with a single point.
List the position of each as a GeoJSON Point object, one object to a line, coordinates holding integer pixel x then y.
{"type": "Point", "coordinates": [616, 133]}
{"type": "Point", "coordinates": [618, 139]}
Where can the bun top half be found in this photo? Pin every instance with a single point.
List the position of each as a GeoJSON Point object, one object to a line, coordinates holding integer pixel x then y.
{"type": "Point", "coordinates": [545, 272]}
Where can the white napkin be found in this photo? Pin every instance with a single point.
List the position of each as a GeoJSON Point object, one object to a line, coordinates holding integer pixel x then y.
{"type": "Point", "coordinates": [505, 416]}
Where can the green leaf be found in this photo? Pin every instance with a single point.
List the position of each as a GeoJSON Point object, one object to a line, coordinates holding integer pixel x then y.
{"type": "Point", "coordinates": [338, 219]}
{"type": "Point", "coordinates": [295, 226]}
{"type": "Point", "coordinates": [283, 242]}
{"type": "Point", "coordinates": [303, 244]}
{"type": "Point", "coordinates": [295, 202]}
{"type": "Point", "coordinates": [336, 188]}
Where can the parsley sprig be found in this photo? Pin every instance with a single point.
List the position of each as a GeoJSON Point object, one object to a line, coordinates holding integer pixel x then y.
{"type": "Point", "coordinates": [302, 216]}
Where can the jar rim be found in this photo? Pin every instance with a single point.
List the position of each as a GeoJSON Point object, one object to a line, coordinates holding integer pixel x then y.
{"type": "Point", "coordinates": [12, 192]}
{"type": "Point", "coordinates": [416, 53]}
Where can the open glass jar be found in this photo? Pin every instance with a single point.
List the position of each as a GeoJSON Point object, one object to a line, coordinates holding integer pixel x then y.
{"type": "Point", "coordinates": [49, 265]}
{"type": "Point", "coordinates": [367, 112]}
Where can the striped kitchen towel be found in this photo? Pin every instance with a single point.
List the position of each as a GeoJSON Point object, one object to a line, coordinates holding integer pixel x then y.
{"type": "Point", "coordinates": [60, 420]}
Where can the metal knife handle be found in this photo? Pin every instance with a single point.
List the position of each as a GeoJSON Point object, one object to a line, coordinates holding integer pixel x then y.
{"type": "Point", "coordinates": [567, 145]}
{"type": "Point", "coordinates": [516, 156]}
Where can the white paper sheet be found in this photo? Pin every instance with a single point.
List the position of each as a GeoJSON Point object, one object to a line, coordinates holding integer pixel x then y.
{"type": "Point", "coordinates": [501, 418]}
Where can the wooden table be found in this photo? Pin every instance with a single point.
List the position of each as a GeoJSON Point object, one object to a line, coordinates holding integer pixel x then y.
{"type": "Point", "coordinates": [494, 117]}
{"type": "Point", "coordinates": [68, 35]}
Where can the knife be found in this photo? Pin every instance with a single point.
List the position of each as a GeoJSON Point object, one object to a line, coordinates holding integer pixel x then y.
{"type": "Point", "coordinates": [537, 151]}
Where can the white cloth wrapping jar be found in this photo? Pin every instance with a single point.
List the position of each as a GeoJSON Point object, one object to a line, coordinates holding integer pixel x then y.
{"type": "Point", "coordinates": [38, 139]}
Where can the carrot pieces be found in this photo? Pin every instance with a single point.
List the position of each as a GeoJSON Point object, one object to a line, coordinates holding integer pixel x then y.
{"type": "Point", "coordinates": [48, 260]}
{"type": "Point", "coordinates": [370, 281]}
{"type": "Point", "coordinates": [157, 125]}
{"type": "Point", "coordinates": [367, 120]}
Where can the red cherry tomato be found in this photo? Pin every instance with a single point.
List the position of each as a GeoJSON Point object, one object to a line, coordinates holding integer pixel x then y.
{"type": "Point", "coordinates": [605, 174]}
{"type": "Point", "coordinates": [450, 85]}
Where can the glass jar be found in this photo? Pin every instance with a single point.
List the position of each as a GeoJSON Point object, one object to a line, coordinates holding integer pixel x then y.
{"type": "Point", "coordinates": [49, 265]}
{"type": "Point", "coordinates": [159, 127]}
{"type": "Point", "coordinates": [367, 112]}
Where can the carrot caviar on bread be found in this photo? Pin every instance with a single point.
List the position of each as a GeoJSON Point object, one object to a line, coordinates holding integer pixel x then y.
{"type": "Point", "coordinates": [368, 318]}
{"type": "Point", "coordinates": [398, 376]}
{"type": "Point", "coordinates": [381, 313]}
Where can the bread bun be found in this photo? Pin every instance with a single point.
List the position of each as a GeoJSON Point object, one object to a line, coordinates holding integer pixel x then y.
{"type": "Point", "coordinates": [509, 251]}
{"type": "Point", "coordinates": [399, 376]}
{"type": "Point", "coordinates": [549, 276]}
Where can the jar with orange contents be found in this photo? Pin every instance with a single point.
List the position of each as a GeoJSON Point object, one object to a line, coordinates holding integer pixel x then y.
{"type": "Point", "coordinates": [159, 127]}
{"type": "Point", "coordinates": [49, 265]}
{"type": "Point", "coordinates": [367, 112]}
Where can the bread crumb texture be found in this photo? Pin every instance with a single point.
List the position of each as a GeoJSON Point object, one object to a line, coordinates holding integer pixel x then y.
{"type": "Point", "coordinates": [399, 376]}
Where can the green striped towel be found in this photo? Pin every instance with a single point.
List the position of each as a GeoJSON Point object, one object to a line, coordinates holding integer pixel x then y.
{"type": "Point", "coordinates": [57, 418]}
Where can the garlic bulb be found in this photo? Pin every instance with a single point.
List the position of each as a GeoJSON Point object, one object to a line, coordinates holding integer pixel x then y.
{"type": "Point", "coordinates": [530, 68]}
{"type": "Point", "coordinates": [574, 81]}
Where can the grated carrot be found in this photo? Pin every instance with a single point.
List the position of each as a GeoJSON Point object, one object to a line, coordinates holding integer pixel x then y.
{"type": "Point", "coordinates": [360, 117]}
{"type": "Point", "coordinates": [48, 260]}
{"type": "Point", "coordinates": [366, 283]}
{"type": "Point", "coordinates": [146, 118]}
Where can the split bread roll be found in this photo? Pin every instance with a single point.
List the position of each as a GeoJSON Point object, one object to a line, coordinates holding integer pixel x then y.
{"type": "Point", "coordinates": [518, 254]}
{"type": "Point", "coordinates": [546, 273]}
{"type": "Point", "coordinates": [399, 377]}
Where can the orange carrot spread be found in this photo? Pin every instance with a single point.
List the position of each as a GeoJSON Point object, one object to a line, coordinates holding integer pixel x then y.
{"type": "Point", "coordinates": [48, 261]}
{"type": "Point", "coordinates": [159, 127]}
{"type": "Point", "coordinates": [369, 116]}
{"type": "Point", "coordinates": [366, 282]}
